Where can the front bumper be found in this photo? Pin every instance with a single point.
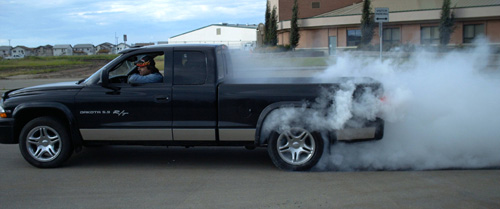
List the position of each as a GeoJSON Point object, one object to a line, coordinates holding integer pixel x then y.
{"type": "Point", "coordinates": [7, 131]}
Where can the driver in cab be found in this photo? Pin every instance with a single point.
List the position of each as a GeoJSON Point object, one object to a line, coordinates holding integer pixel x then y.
{"type": "Point", "coordinates": [148, 73]}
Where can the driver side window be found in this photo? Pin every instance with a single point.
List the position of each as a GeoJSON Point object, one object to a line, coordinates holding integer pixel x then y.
{"type": "Point", "coordinates": [122, 71]}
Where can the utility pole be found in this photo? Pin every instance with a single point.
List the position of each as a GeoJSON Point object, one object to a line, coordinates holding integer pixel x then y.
{"type": "Point", "coordinates": [116, 43]}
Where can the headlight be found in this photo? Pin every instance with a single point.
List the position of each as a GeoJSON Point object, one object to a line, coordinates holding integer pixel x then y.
{"type": "Point", "coordinates": [3, 114]}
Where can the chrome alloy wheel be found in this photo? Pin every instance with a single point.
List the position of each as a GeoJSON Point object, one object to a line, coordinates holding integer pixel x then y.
{"type": "Point", "coordinates": [296, 146]}
{"type": "Point", "coordinates": [44, 143]}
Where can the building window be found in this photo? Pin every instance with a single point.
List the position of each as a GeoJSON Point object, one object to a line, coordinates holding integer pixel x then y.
{"type": "Point", "coordinates": [315, 5]}
{"type": "Point", "coordinates": [472, 31]}
{"type": "Point", "coordinates": [429, 35]}
{"type": "Point", "coordinates": [218, 31]}
{"type": "Point", "coordinates": [392, 36]}
{"type": "Point", "coordinates": [353, 37]}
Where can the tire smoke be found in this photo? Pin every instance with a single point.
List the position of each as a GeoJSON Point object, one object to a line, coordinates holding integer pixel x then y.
{"type": "Point", "coordinates": [442, 111]}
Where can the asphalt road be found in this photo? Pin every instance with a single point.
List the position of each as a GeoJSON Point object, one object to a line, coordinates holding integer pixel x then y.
{"type": "Point", "coordinates": [160, 177]}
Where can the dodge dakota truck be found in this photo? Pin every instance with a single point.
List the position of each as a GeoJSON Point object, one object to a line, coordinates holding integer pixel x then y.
{"type": "Point", "coordinates": [199, 103]}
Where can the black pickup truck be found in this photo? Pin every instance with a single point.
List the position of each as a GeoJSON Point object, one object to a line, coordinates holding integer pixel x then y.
{"type": "Point", "coordinates": [199, 103]}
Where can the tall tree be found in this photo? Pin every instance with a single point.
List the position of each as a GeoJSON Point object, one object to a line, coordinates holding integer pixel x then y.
{"type": "Point", "coordinates": [446, 23]}
{"type": "Point", "coordinates": [294, 28]}
{"type": "Point", "coordinates": [273, 28]}
{"type": "Point", "coordinates": [267, 24]}
{"type": "Point", "coordinates": [367, 23]}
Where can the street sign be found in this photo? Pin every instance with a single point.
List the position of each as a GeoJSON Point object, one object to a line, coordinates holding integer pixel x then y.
{"type": "Point", "coordinates": [382, 14]}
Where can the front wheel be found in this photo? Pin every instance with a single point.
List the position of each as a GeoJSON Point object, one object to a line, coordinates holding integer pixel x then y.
{"type": "Point", "coordinates": [45, 142]}
{"type": "Point", "coordinates": [295, 149]}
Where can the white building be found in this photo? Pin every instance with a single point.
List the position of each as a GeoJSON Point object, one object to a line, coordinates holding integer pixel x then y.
{"type": "Point", "coordinates": [235, 36]}
{"type": "Point", "coordinates": [21, 51]}
{"type": "Point", "coordinates": [63, 49]}
{"type": "Point", "coordinates": [5, 51]}
{"type": "Point", "coordinates": [120, 47]}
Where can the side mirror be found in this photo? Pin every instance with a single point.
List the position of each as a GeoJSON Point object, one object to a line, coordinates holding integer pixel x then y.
{"type": "Point", "coordinates": [104, 78]}
{"type": "Point", "coordinates": [105, 81]}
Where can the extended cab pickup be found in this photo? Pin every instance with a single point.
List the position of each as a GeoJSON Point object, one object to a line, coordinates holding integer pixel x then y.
{"type": "Point", "coordinates": [199, 103]}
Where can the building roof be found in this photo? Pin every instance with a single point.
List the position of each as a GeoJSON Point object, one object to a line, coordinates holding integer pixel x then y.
{"type": "Point", "coordinates": [83, 46]}
{"type": "Point", "coordinates": [106, 44]}
{"type": "Point", "coordinates": [143, 44]}
{"type": "Point", "coordinates": [244, 26]}
{"type": "Point", "coordinates": [62, 46]}
{"type": "Point", "coordinates": [121, 44]}
{"type": "Point", "coordinates": [23, 47]}
{"type": "Point", "coordinates": [409, 5]}
{"type": "Point", "coordinates": [46, 46]}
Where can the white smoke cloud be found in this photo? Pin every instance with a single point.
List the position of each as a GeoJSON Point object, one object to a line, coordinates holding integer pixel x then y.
{"type": "Point", "coordinates": [334, 109]}
{"type": "Point", "coordinates": [441, 111]}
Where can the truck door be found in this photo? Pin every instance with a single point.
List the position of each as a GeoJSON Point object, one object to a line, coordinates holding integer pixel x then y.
{"type": "Point", "coordinates": [193, 95]}
{"type": "Point", "coordinates": [120, 111]}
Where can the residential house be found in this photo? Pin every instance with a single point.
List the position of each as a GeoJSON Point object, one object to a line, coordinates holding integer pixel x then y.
{"type": "Point", "coordinates": [121, 46]}
{"type": "Point", "coordinates": [63, 49]}
{"type": "Point", "coordinates": [22, 51]}
{"type": "Point", "coordinates": [5, 51]}
{"type": "Point", "coordinates": [44, 51]}
{"type": "Point", "coordinates": [104, 48]}
{"type": "Point", "coordinates": [84, 49]}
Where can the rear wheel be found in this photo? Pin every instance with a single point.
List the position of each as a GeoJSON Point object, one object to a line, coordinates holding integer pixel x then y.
{"type": "Point", "coordinates": [45, 143]}
{"type": "Point", "coordinates": [295, 149]}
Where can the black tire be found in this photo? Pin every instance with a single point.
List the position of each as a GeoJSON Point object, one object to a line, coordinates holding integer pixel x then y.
{"type": "Point", "coordinates": [296, 149]}
{"type": "Point", "coordinates": [45, 142]}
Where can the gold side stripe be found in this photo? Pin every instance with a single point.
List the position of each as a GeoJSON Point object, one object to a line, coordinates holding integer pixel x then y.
{"type": "Point", "coordinates": [126, 134]}
{"type": "Point", "coordinates": [237, 134]}
{"type": "Point", "coordinates": [194, 134]}
{"type": "Point", "coordinates": [167, 135]}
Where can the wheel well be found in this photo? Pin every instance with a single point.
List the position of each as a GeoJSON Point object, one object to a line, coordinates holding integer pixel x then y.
{"type": "Point", "coordinates": [261, 139]}
{"type": "Point", "coordinates": [25, 116]}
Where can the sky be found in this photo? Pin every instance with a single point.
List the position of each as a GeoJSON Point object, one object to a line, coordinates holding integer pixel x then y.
{"type": "Point", "coordinates": [34, 23]}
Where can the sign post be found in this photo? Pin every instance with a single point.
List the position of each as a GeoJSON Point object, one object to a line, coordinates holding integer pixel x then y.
{"type": "Point", "coordinates": [381, 16]}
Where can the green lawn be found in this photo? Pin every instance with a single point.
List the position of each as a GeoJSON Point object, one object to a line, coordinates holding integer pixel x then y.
{"type": "Point", "coordinates": [37, 65]}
